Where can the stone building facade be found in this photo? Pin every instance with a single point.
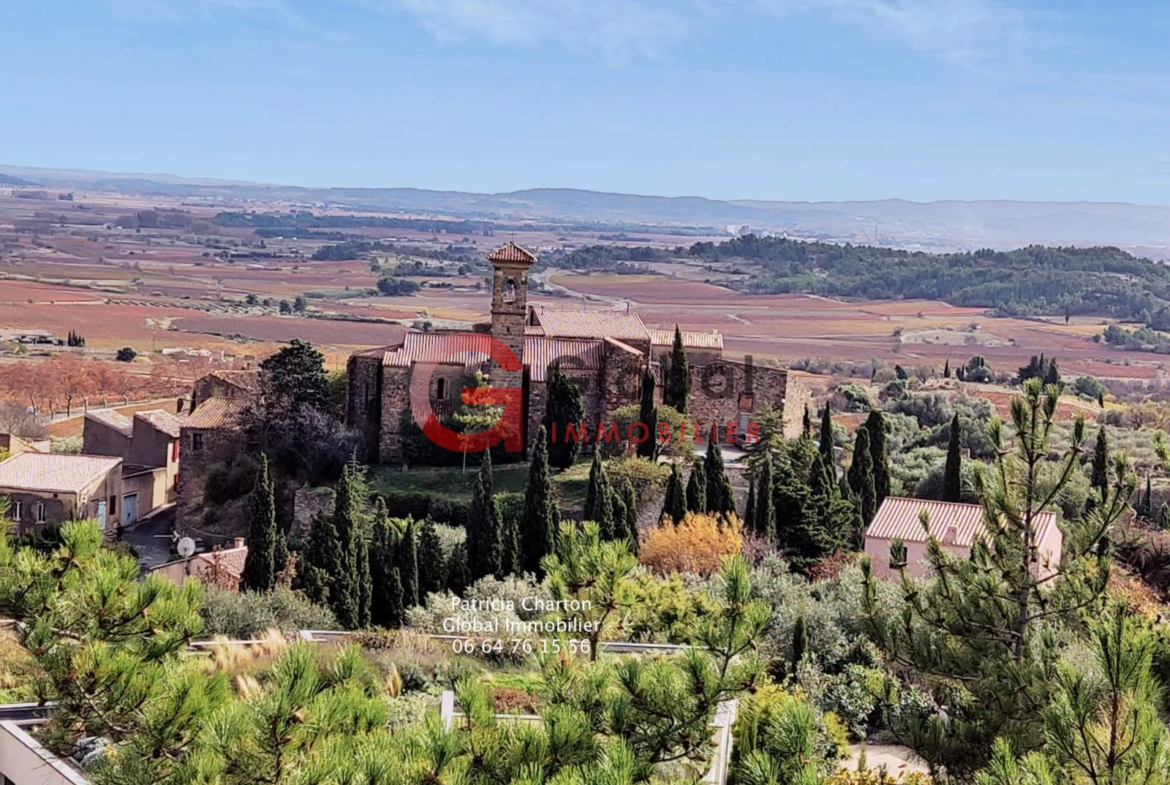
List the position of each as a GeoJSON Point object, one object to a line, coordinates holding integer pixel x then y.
{"type": "Point", "coordinates": [604, 352]}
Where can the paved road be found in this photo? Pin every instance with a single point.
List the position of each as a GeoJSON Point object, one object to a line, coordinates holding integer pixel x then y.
{"type": "Point", "coordinates": [152, 550]}
{"type": "Point", "coordinates": [896, 759]}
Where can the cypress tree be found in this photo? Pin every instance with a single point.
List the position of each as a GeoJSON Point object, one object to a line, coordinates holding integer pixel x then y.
{"type": "Point", "coordinates": [565, 407]}
{"type": "Point", "coordinates": [648, 416]}
{"type": "Point", "coordinates": [631, 500]}
{"type": "Point", "coordinates": [406, 562]}
{"type": "Point", "coordinates": [541, 518]}
{"type": "Point", "coordinates": [483, 526]}
{"type": "Point", "coordinates": [386, 607]}
{"type": "Point", "coordinates": [875, 425]}
{"type": "Point", "coordinates": [432, 565]}
{"type": "Point", "coordinates": [749, 511]}
{"type": "Point", "coordinates": [344, 592]}
{"type": "Point", "coordinates": [598, 504]}
{"type": "Point", "coordinates": [952, 475]}
{"type": "Point", "coordinates": [617, 515]}
{"type": "Point", "coordinates": [825, 523]}
{"type": "Point", "coordinates": [260, 565]}
{"type": "Point", "coordinates": [860, 477]}
{"type": "Point", "coordinates": [826, 438]}
{"type": "Point", "coordinates": [697, 489]}
{"type": "Point", "coordinates": [765, 524]}
{"type": "Point", "coordinates": [1100, 475]}
{"type": "Point", "coordinates": [313, 577]}
{"type": "Point", "coordinates": [806, 424]}
{"type": "Point", "coordinates": [509, 542]}
{"type": "Point", "coordinates": [720, 498]}
{"type": "Point", "coordinates": [458, 575]}
{"type": "Point", "coordinates": [365, 580]}
{"type": "Point", "coordinates": [674, 506]}
{"type": "Point", "coordinates": [280, 553]}
{"type": "Point", "coordinates": [1164, 517]}
{"type": "Point", "coordinates": [947, 369]}
{"type": "Point", "coordinates": [677, 390]}
{"type": "Point", "coordinates": [799, 641]}
{"type": "Point", "coordinates": [1144, 507]}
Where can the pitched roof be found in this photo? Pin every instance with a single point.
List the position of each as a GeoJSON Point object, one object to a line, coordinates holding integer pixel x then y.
{"type": "Point", "coordinates": [215, 413]}
{"type": "Point", "coordinates": [54, 472]}
{"type": "Point", "coordinates": [203, 565]}
{"type": "Point", "coordinates": [471, 350]}
{"type": "Point", "coordinates": [899, 518]}
{"type": "Point", "coordinates": [511, 252]}
{"type": "Point", "coordinates": [540, 353]}
{"type": "Point", "coordinates": [113, 420]}
{"type": "Point", "coordinates": [691, 339]}
{"type": "Point", "coordinates": [592, 324]}
{"type": "Point", "coordinates": [245, 380]}
{"type": "Point", "coordinates": [161, 421]}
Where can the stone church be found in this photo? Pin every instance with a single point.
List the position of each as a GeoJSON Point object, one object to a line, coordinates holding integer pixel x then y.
{"type": "Point", "coordinates": [604, 352]}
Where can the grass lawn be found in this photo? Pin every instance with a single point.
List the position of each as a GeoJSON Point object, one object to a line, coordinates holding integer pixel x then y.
{"type": "Point", "coordinates": [453, 484]}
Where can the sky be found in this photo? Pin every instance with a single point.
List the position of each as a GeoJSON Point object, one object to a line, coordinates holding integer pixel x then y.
{"type": "Point", "coordinates": [729, 99]}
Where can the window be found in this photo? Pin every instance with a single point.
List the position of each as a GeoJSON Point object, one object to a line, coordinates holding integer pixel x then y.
{"type": "Point", "coordinates": [39, 512]}
{"type": "Point", "coordinates": [197, 442]}
{"type": "Point", "coordinates": [17, 510]}
{"type": "Point", "coordinates": [113, 505]}
{"type": "Point", "coordinates": [510, 291]}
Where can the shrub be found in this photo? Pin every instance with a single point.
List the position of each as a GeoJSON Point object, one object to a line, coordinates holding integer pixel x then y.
{"type": "Point", "coordinates": [665, 610]}
{"type": "Point", "coordinates": [648, 477]}
{"type": "Point", "coordinates": [1090, 387]}
{"type": "Point", "coordinates": [852, 397]}
{"type": "Point", "coordinates": [780, 730]}
{"type": "Point", "coordinates": [699, 544]}
{"type": "Point", "coordinates": [422, 505]}
{"type": "Point", "coordinates": [249, 614]}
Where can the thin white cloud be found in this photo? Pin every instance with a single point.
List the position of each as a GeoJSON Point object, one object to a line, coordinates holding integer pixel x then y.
{"type": "Point", "coordinates": [959, 29]}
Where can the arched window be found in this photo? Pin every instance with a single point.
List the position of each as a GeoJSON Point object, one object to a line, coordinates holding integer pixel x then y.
{"type": "Point", "coordinates": [510, 290]}
{"type": "Point", "coordinates": [441, 389]}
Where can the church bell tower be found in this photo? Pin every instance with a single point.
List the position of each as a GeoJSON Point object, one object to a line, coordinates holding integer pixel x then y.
{"type": "Point", "coordinates": [510, 305]}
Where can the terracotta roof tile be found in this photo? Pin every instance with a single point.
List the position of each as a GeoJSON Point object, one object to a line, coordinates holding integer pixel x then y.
{"type": "Point", "coordinates": [691, 339]}
{"type": "Point", "coordinates": [162, 421]}
{"type": "Point", "coordinates": [215, 413]}
{"type": "Point", "coordinates": [899, 518]}
{"type": "Point", "coordinates": [540, 353]}
{"type": "Point", "coordinates": [511, 252]}
{"type": "Point", "coordinates": [34, 471]}
{"type": "Point", "coordinates": [471, 350]}
{"type": "Point", "coordinates": [592, 324]}
{"type": "Point", "coordinates": [245, 380]}
{"type": "Point", "coordinates": [112, 419]}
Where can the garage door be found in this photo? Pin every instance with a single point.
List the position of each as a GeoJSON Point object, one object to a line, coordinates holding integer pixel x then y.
{"type": "Point", "coordinates": [129, 509]}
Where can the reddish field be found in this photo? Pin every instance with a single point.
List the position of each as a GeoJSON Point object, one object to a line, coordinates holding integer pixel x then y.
{"type": "Point", "coordinates": [285, 328]}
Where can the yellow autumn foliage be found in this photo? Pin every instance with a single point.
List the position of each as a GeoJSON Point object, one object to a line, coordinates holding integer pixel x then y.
{"type": "Point", "coordinates": [699, 543]}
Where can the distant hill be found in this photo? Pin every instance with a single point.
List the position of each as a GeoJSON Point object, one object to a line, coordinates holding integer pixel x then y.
{"type": "Point", "coordinates": [7, 179]}
{"type": "Point", "coordinates": [936, 226]}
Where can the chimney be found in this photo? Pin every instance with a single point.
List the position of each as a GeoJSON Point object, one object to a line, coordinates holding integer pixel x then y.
{"type": "Point", "coordinates": [239, 543]}
{"type": "Point", "coordinates": [179, 405]}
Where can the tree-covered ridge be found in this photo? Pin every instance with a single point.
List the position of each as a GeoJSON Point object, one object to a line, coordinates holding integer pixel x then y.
{"type": "Point", "coordinates": [1034, 280]}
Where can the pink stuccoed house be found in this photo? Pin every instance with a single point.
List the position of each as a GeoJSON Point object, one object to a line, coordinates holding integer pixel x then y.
{"type": "Point", "coordinates": [955, 525]}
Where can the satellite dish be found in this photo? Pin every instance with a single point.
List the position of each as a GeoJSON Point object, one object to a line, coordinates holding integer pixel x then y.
{"type": "Point", "coordinates": [186, 547]}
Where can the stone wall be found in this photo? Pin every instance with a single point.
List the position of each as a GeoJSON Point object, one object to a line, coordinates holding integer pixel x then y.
{"type": "Point", "coordinates": [721, 390]}
{"type": "Point", "coordinates": [395, 404]}
{"type": "Point", "coordinates": [98, 438]}
{"type": "Point", "coordinates": [363, 400]}
{"type": "Point", "coordinates": [798, 396]}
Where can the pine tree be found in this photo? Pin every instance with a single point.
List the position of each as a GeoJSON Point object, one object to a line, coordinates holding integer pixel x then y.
{"type": "Point", "coordinates": [541, 519]}
{"type": "Point", "coordinates": [947, 369]}
{"type": "Point", "coordinates": [720, 497]}
{"type": "Point", "coordinates": [677, 390]}
{"type": "Point", "coordinates": [432, 565]}
{"type": "Point", "coordinates": [674, 506]}
{"type": "Point", "coordinates": [875, 425]}
{"type": "Point", "coordinates": [953, 473]}
{"type": "Point", "coordinates": [861, 480]}
{"type": "Point", "coordinates": [406, 562]}
{"type": "Point", "coordinates": [749, 510]}
{"type": "Point", "coordinates": [826, 437]}
{"type": "Point", "coordinates": [648, 416]}
{"type": "Point", "coordinates": [984, 625]}
{"type": "Point", "coordinates": [697, 489]}
{"type": "Point", "coordinates": [598, 505]}
{"type": "Point", "coordinates": [458, 574]}
{"type": "Point", "coordinates": [1100, 476]}
{"type": "Point", "coordinates": [341, 562]}
{"type": "Point", "coordinates": [799, 641]}
{"type": "Point", "coordinates": [765, 522]}
{"type": "Point", "coordinates": [631, 500]}
{"type": "Point", "coordinates": [260, 565]}
{"type": "Point", "coordinates": [483, 527]}
{"type": "Point", "coordinates": [565, 407]}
